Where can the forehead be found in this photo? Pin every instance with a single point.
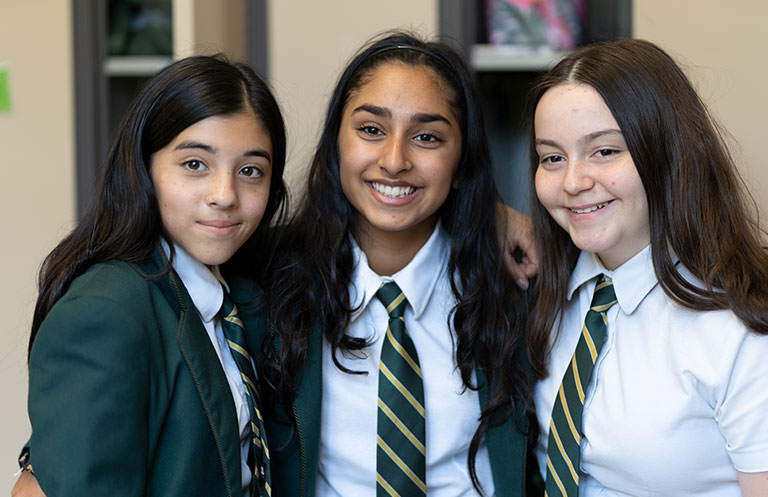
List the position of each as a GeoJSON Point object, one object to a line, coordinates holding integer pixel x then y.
{"type": "Point", "coordinates": [572, 108]}
{"type": "Point", "coordinates": [398, 83]}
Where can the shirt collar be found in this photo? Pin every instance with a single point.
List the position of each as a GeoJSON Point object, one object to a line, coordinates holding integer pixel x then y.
{"type": "Point", "coordinates": [417, 279]}
{"type": "Point", "coordinates": [632, 281]}
{"type": "Point", "coordinates": [203, 285]}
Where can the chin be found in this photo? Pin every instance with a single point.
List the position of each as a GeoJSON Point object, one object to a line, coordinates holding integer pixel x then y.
{"type": "Point", "coordinates": [586, 244]}
{"type": "Point", "coordinates": [214, 259]}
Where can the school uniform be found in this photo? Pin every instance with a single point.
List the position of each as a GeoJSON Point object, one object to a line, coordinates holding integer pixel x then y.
{"type": "Point", "coordinates": [145, 408]}
{"type": "Point", "coordinates": [676, 403]}
{"type": "Point", "coordinates": [333, 451]}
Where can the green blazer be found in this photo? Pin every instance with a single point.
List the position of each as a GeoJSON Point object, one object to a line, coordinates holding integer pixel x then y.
{"type": "Point", "coordinates": [295, 452]}
{"type": "Point", "coordinates": [126, 393]}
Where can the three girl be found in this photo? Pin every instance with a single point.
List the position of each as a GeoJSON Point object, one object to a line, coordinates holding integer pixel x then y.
{"type": "Point", "coordinates": [662, 390]}
{"type": "Point", "coordinates": [635, 189]}
{"type": "Point", "coordinates": [400, 192]}
{"type": "Point", "coordinates": [137, 386]}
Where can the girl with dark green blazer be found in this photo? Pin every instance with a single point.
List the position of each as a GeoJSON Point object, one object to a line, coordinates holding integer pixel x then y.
{"type": "Point", "coordinates": [135, 386]}
{"type": "Point", "coordinates": [402, 167]}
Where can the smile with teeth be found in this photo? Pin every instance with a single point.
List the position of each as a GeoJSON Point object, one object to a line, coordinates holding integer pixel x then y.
{"type": "Point", "coordinates": [393, 191]}
{"type": "Point", "coordinates": [589, 209]}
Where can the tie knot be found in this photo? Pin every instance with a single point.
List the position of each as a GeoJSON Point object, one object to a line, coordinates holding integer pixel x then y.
{"type": "Point", "coordinates": [228, 310]}
{"type": "Point", "coordinates": [604, 296]}
{"type": "Point", "coordinates": [393, 299]}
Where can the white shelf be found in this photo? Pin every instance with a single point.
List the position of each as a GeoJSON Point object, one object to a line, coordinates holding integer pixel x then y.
{"type": "Point", "coordinates": [135, 65]}
{"type": "Point", "coordinates": [513, 58]}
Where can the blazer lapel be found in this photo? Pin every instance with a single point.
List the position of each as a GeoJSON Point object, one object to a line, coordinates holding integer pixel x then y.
{"type": "Point", "coordinates": [209, 379]}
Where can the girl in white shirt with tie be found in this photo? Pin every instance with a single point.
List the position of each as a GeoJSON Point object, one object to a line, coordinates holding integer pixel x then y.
{"type": "Point", "coordinates": [400, 190]}
{"type": "Point", "coordinates": [636, 189]}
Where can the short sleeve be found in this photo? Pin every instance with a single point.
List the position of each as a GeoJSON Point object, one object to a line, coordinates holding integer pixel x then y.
{"type": "Point", "coordinates": [743, 414]}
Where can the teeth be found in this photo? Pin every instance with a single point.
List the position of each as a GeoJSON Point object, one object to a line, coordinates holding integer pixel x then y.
{"type": "Point", "coordinates": [393, 191]}
{"type": "Point", "coordinates": [591, 209]}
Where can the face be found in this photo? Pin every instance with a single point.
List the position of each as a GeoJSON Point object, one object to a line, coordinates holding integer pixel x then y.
{"type": "Point", "coordinates": [212, 184]}
{"type": "Point", "coordinates": [586, 178]}
{"type": "Point", "coordinates": [399, 147]}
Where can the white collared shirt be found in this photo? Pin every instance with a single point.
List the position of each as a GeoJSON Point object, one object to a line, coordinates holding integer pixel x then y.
{"type": "Point", "coordinates": [678, 399]}
{"type": "Point", "coordinates": [349, 407]}
{"type": "Point", "coordinates": [205, 289]}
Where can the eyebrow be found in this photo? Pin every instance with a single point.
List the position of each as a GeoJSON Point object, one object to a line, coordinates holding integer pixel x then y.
{"type": "Point", "coordinates": [192, 145]}
{"type": "Point", "coordinates": [597, 134]}
{"type": "Point", "coordinates": [420, 117]}
{"type": "Point", "coordinates": [584, 139]}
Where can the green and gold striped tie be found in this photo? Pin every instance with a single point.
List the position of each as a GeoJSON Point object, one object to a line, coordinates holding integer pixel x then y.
{"type": "Point", "coordinates": [565, 431]}
{"type": "Point", "coordinates": [259, 455]}
{"type": "Point", "coordinates": [401, 428]}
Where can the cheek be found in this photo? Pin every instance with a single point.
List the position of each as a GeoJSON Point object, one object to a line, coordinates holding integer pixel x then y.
{"type": "Point", "coordinates": [256, 205]}
{"type": "Point", "coordinates": [444, 171]}
{"type": "Point", "coordinates": [546, 188]}
{"type": "Point", "coordinates": [165, 201]}
{"type": "Point", "coordinates": [349, 181]}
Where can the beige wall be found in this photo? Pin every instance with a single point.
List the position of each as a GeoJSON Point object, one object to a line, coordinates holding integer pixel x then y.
{"type": "Point", "coordinates": [723, 46]}
{"type": "Point", "coordinates": [206, 27]}
{"type": "Point", "coordinates": [37, 202]}
{"type": "Point", "coordinates": [309, 43]}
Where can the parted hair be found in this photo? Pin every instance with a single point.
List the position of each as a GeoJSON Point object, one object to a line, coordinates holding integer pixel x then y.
{"type": "Point", "coordinates": [319, 244]}
{"type": "Point", "coordinates": [699, 208]}
{"type": "Point", "coordinates": [122, 222]}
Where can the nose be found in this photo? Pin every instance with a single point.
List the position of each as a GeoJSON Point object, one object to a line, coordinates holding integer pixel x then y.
{"type": "Point", "coordinates": [394, 157]}
{"type": "Point", "coordinates": [221, 193]}
{"type": "Point", "coordinates": [577, 178]}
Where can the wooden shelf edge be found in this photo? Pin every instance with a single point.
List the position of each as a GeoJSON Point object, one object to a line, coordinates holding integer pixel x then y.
{"type": "Point", "coordinates": [135, 65]}
{"type": "Point", "coordinates": [513, 58]}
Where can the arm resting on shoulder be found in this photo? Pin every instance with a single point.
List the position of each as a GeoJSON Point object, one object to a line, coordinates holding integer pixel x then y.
{"type": "Point", "coordinates": [518, 236]}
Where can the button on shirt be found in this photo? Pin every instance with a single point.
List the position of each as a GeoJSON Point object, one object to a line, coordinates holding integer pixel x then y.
{"type": "Point", "coordinates": [349, 407]}
{"type": "Point", "coordinates": [678, 398]}
{"type": "Point", "coordinates": [205, 290]}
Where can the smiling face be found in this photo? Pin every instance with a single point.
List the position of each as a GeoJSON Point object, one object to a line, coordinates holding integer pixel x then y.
{"type": "Point", "coordinates": [399, 146]}
{"type": "Point", "coordinates": [212, 184]}
{"type": "Point", "coordinates": [586, 178]}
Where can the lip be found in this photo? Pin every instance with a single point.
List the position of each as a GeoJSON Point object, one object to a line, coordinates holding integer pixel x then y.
{"type": "Point", "coordinates": [219, 227]}
{"type": "Point", "coordinates": [588, 210]}
{"type": "Point", "coordinates": [393, 192]}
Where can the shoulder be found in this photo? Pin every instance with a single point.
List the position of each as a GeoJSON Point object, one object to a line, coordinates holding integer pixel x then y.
{"type": "Point", "coordinates": [113, 276]}
{"type": "Point", "coordinates": [120, 283]}
{"type": "Point", "coordinates": [109, 297]}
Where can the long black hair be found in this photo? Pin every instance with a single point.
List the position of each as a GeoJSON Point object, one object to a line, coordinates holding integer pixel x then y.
{"type": "Point", "coordinates": [122, 221]}
{"type": "Point", "coordinates": [698, 205]}
{"type": "Point", "coordinates": [488, 314]}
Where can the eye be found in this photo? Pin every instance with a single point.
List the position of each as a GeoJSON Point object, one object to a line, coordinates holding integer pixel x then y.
{"type": "Point", "coordinates": [606, 152]}
{"type": "Point", "coordinates": [427, 137]}
{"type": "Point", "coordinates": [551, 159]}
{"type": "Point", "coordinates": [252, 172]}
{"type": "Point", "coordinates": [370, 130]}
{"type": "Point", "coordinates": [194, 165]}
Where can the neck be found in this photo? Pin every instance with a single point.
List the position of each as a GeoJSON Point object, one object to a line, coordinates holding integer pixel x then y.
{"type": "Point", "coordinates": [389, 252]}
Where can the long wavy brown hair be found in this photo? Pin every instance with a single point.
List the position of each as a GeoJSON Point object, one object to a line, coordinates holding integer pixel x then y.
{"type": "Point", "coordinates": [699, 207]}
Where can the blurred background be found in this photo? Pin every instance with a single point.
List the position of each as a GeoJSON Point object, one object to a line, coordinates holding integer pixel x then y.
{"type": "Point", "coordinates": [68, 69]}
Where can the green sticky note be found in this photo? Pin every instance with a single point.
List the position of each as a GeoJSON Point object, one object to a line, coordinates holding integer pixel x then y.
{"type": "Point", "coordinates": [5, 92]}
